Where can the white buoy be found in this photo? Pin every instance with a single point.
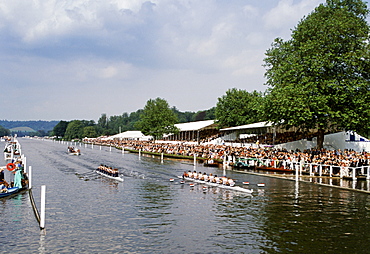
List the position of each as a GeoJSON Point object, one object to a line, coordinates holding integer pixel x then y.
{"type": "Point", "coordinates": [42, 215]}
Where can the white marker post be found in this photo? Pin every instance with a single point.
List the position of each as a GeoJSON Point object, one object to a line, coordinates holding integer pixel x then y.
{"type": "Point", "coordinates": [162, 157]}
{"type": "Point", "coordinates": [195, 159]}
{"type": "Point", "coordinates": [42, 215]}
{"type": "Point", "coordinates": [30, 177]}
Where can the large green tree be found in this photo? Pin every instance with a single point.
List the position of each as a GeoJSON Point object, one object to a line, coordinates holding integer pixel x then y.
{"type": "Point", "coordinates": [238, 107]}
{"type": "Point", "coordinates": [157, 119]}
{"type": "Point", "coordinates": [60, 129]}
{"type": "Point", "coordinates": [74, 130]}
{"type": "Point", "coordinates": [320, 77]}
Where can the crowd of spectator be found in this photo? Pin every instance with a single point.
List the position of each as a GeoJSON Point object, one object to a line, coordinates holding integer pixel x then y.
{"type": "Point", "coordinates": [339, 158]}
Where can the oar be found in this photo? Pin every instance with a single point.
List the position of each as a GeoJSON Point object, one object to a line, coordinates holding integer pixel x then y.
{"type": "Point", "coordinates": [86, 174]}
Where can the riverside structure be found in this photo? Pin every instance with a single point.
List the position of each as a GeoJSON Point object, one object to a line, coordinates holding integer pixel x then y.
{"type": "Point", "coordinates": [333, 163]}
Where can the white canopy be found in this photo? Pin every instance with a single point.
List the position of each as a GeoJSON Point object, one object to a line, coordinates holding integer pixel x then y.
{"type": "Point", "coordinates": [138, 135]}
{"type": "Point", "coordinates": [249, 126]}
{"type": "Point", "coordinates": [196, 126]}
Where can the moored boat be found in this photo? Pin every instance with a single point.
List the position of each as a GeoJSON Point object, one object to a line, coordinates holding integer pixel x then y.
{"type": "Point", "coordinates": [245, 163]}
{"type": "Point", "coordinates": [211, 163]}
{"type": "Point", "coordinates": [6, 192]}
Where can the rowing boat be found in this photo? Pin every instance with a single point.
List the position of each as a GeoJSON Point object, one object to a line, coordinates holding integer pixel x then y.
{"type": "Point", "coordinates": [222, 186]}
{"type": "Point", "coordinates": [117, 178]}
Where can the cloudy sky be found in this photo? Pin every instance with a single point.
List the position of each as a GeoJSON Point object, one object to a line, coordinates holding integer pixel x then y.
{"type": "Point", "coordinates": [77, 59]}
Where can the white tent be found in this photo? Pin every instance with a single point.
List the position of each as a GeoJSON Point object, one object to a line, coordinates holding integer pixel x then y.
{"type": "Point", "coordinates": [130, 135]}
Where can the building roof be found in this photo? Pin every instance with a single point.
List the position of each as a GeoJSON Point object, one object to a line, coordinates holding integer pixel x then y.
{"type": "Point", "coordinates": [249, 126]}
{"type": "Point", "coordinates": [196, 126]}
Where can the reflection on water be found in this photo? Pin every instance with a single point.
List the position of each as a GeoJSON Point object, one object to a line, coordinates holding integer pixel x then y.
{"type": "Point", "coordinates": [87, 213]}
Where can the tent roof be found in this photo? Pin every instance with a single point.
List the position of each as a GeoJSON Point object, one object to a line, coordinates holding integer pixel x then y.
{"type": "Point", "coordinates": [128, 134]}
{"type": "Point", "coordinates": [249, 126]}
{"type": "Point", "coordinates": [196, 126]}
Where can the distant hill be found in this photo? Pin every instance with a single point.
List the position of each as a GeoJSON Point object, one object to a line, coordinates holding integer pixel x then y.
{"type": "Point", "coordinates": [22, 129]}
{"type": "Point", "coordinates": [34, 125]}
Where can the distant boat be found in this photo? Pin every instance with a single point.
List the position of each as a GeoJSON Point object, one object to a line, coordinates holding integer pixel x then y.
{"type": "Point", "coordinates": [73, 151]}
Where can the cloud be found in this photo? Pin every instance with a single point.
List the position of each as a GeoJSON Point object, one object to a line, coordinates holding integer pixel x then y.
{"type": "Point", "coordinates": [124, 52]}
{"type": "Point", "coordinates": [288, 13]}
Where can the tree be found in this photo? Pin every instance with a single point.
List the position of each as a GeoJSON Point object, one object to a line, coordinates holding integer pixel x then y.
{"type": "Point", "coordinates": [60, 129]}
{"type": "Point", "coordinates": [319, 79]}
{"type": "Point", "coordinates": [102, 125]}
{"type": "Point", "coordinates": [74, 130]}
{"type": "Point", "coordinates": [89, 132]}
{"type": "Point", "coordinates": [4, 131]}
{"type": "Point", "coordinates": [157, 119]}
{"type": "Point", "coordinates": [238, 107]}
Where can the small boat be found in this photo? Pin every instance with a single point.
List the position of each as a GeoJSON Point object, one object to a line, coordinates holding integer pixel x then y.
{"type": "Point", "coordinates": [109, 173]}
{"type": "Point", "coordinates": [245, 163]}
{"type": "Point", "coordinates": [218, 185]}
{"type": "Point", "coordinates": [211, 163]}
{"type": "Point", "coordinates": [260, 184]}
{"type": "Point", "coordinates": [11, 191]}
{"type": "Point", "coordinates": [171, 179]}
{"type": "Point", "coordinates": [73, 151]}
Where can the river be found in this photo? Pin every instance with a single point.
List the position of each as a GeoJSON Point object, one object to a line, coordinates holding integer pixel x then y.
{"type": "Point", "coordinates": [147, 213]}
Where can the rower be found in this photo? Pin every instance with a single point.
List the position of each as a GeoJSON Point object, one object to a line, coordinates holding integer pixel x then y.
{"type": "Point", "coordinates": [211, 178]}
{"type": "Point", "coordinates": [230, 182]}
{"type": "Point", "coordinates": [205, 177]}
{"type": "Point", "coordinates": [190, 174]}
{"type": "Point", "coordinates": [217, 179]}
{"type": "Point", "coordinates": [184, 175]}
{"type": "Point", "coordinates": [195, 175]}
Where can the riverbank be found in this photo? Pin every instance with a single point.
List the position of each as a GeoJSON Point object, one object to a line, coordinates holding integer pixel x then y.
{"type": "Point", "coordinates": [345, 184]}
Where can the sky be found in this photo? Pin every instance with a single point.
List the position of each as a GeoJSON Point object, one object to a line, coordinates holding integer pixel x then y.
{"type": "Point", "coordinates": [78, 59]}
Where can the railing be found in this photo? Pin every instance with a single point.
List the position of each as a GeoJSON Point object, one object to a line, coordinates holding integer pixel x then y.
{"type": "Point", "coordinates": [313, 169]}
